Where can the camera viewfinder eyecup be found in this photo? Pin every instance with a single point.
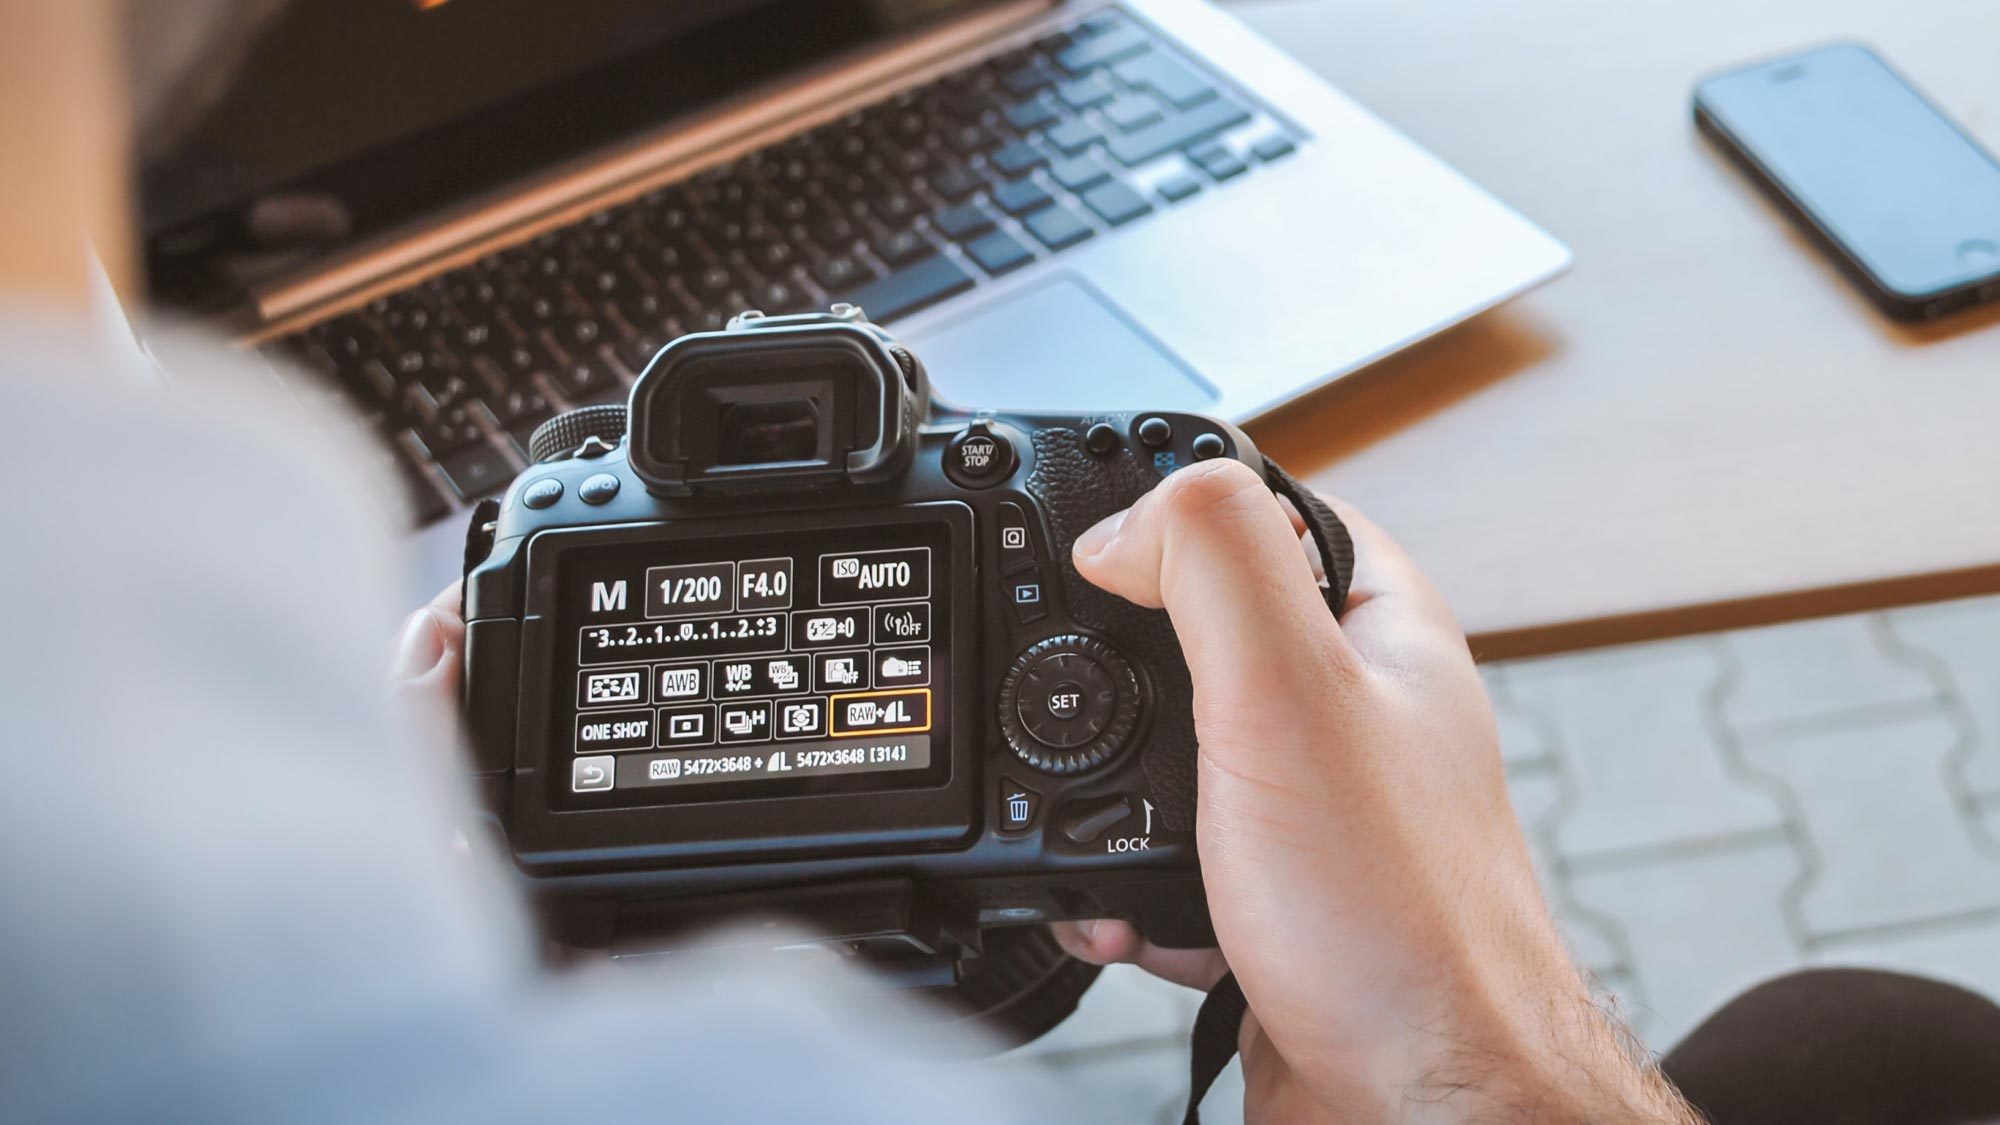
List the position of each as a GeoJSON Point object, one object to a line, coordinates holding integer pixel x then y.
{"type": "Point", "coordinates": [782, 403]}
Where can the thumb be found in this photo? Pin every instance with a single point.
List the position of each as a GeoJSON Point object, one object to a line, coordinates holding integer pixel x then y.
{"type": "Point", "coordinates": [1214, 548]}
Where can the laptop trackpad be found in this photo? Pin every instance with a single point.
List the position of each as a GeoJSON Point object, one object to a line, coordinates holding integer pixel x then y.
{"type": "Point", "coordinates": [1060, 347]}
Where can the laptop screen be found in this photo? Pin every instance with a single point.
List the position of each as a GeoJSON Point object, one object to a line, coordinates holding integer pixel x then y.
{"type": "Point", "coordinates": [347, 119]}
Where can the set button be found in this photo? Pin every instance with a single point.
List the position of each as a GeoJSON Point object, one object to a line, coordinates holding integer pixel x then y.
{"type": "Point", "coordinates": [1069, 704]}
{"type": "Point", "coordinates": [1066, 699]}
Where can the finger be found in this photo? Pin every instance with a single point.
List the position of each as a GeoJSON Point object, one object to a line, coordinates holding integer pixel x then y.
{"type": "Point", "coordinates": [1393, 609]}
{"type": "Point", "coordinates": [1111, 942]}
{"type": "Point", "coordinates": [427, 650]}
{"type": "Point", "coordinates": [1213, 547]}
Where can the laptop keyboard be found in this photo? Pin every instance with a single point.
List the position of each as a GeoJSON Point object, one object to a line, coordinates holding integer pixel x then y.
{"type": "Point", "coordinates": [895, 207]}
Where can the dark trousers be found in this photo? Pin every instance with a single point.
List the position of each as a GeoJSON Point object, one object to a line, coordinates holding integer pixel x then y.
{"type": "Point", "coordinates": [1845, 1047]}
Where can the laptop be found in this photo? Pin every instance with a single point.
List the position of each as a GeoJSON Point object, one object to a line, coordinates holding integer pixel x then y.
{"type": "Point", "coordinates": [456, 218]}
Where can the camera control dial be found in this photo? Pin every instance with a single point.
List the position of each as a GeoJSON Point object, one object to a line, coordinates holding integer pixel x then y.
{"type": "Point", "coordinates": [1069, 704]}
{"type": "Point", "coordinates": [572, 428]}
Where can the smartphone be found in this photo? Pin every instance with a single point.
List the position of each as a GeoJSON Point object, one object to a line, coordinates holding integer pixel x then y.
{"type": "Point", "coordinates": [1906, 202]}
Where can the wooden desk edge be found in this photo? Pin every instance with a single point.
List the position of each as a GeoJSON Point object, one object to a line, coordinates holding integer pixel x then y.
{"type": "Point", "coordinates": [1680, 621]}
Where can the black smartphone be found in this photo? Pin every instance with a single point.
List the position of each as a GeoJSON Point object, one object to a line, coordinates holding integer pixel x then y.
{"type": "Point", "coordinates": [1904, 199]}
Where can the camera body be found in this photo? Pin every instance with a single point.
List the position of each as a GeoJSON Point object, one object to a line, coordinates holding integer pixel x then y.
{"type": "Point", "coordinates": [803, 641]}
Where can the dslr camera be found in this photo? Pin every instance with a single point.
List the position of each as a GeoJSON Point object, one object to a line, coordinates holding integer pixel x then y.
{"type": "Point", "coordinates": [785, 635]}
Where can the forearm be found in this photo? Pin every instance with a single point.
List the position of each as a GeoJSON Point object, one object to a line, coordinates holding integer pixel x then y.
{"type": "Point", "coordinates": [1552, 1056]}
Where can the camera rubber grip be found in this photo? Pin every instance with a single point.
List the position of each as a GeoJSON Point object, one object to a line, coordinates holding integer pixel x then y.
{"type": "Point", "coordinates": [1075, 490]}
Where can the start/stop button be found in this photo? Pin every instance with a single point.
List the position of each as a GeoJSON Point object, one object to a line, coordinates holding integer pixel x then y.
{"type": "Point", "coordinates": [979, 456]}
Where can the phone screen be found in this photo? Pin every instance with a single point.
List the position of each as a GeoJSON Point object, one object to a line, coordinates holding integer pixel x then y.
{"type": "Point", "coordinates": [1911, 199]}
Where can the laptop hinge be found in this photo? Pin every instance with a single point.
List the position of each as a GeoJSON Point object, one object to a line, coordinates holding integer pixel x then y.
{"type": "Point", "coordinates": [668, 154]}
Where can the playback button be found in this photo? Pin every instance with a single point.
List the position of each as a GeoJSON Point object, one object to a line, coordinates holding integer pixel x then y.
{"type": "Point", "coordinates": [1029, 596]}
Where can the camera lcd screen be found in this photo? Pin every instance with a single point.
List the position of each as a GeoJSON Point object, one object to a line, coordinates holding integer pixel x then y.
{"type": "Point", "coordinates": [752, 666]}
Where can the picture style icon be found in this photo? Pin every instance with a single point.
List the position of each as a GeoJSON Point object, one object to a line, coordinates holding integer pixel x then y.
{"type": "Point", "coordinates": [613, 687]}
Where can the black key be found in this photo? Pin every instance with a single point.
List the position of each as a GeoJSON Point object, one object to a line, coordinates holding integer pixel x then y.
{"type": "Point", "coordinates": [1018, 197]}
{"type": "Point", "coordinates": [901, 247]}
{"type": "Point", "coordinates": [910, 288]}
{"type": "Point", "coordinates": [999, 252]}
{"type": "Point", "coordinates": [1167, 78]}
{"type": "Point", "coordinates": [454, 429]}
{"type": "Point", "coordinates": [1131, 112]}
{"type": "Point", "coordinates": [478, 471]}
{"type": "Point", "coordinates": [1016, 158]}
{"type": "Point", "coordinates": [968, 139]}
{"type": "Point", "coordinates": [1110, 47]}
{"type": "Point", "coordinates": [427, 504]}
{"type": "Point", "coordinates": [1029, 78]}
{"type": "Point", "coordinates": [1097, 25]}
{"type": "Point", "coordinates": [833, 232]}
{"type": "Point", "coordinates": [519, 406]}
{"type": "Point", "coordinates": [584, 381]}
{"type": "Point", "coordinates": [1178, 188]}
{"type": "Point", "coordinates": [520, 433]}
{"type": "Point", "coordinates": [778, 297]}
{"type": "Point", "coordinates": [962, 222]}
{"type": "Point", "coordinates": [1058, 226]}
{"type": "Point", "coordinates": [1272, 148]}
{"type": "Point", "coordinates": [1079, 173]}
{"type": "Point", "coordinates": [893, 205]}
{"type": "Point", "coordinates": [1031, 114]}
{"type": "Point", "coordinates": [1073, 136]}
{"type": "Point", "coordinates": [838, 272]}
{"type": "Point", "coordinates": [1162, 137]}
{"type": "Point", "coordinates": [955, 184]}
{"type": "Point", "coordinates": [1219, 162]}
{"type": "Point", "coordinates": [1082, 93]}
{"type": "Point", "coordinates": [1116, 203]}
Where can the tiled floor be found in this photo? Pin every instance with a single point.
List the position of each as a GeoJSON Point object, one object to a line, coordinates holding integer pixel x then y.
{"type": "Point", "coordinates": [1705, 813]}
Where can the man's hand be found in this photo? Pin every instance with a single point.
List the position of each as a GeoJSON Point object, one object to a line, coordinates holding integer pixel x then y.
{"type": "Point", "coordinates": [1369, 884]}
{"type": "Point", "coordinates": [425, 669]}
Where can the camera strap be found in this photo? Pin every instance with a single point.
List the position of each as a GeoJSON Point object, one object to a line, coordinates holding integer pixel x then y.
{"type": "Point", "coordinates": [1218, 1027]}
{"type": "Point", "coordinates": [1336, 546]}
